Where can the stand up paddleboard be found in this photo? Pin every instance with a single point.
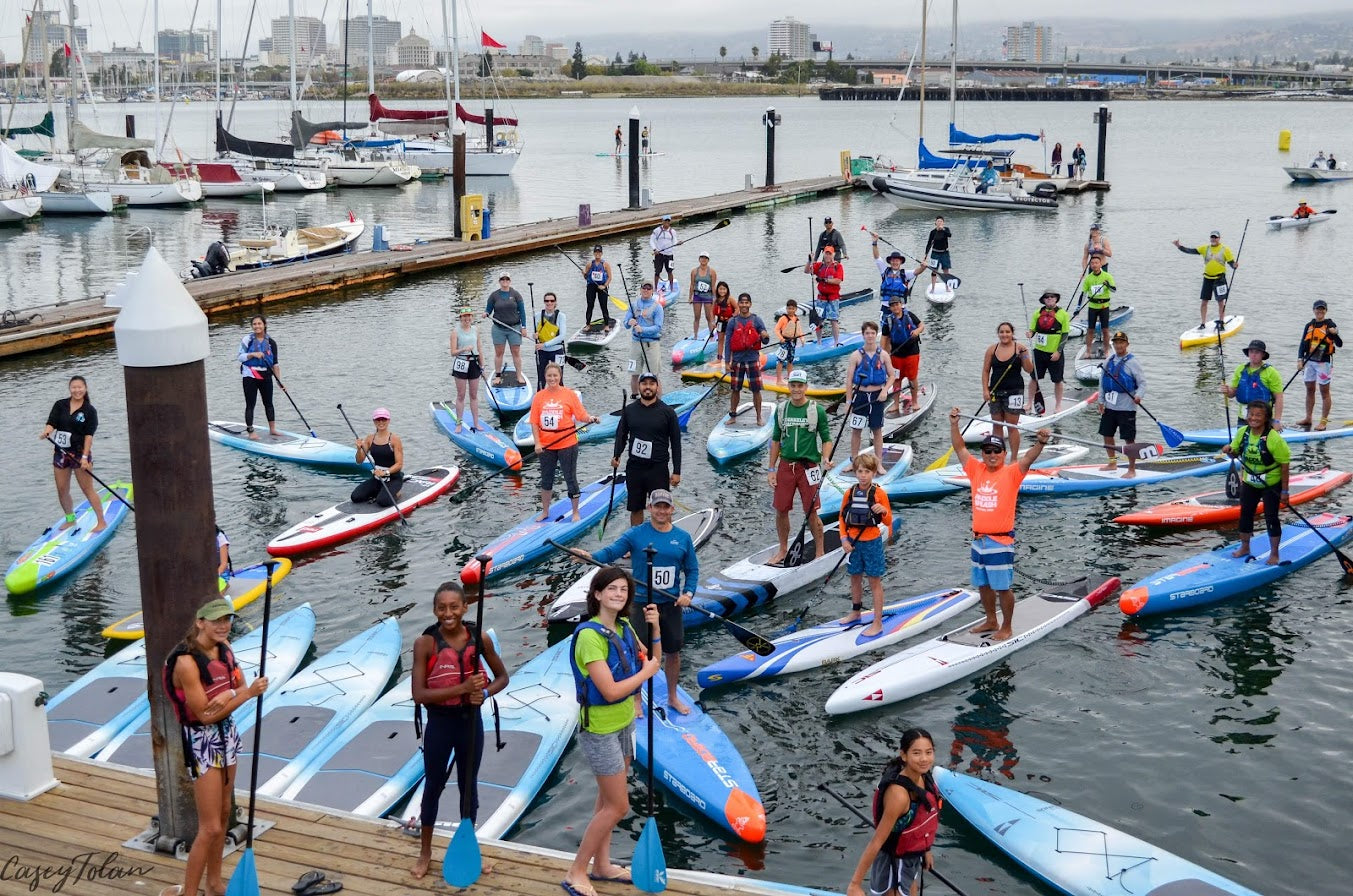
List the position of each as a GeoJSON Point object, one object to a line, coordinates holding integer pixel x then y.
{"type": "Point", "coordinates": [284, 446]}
{"type": "Point", "coordinates": [57, 552]}
{"type": "Point", "coordinates": [242, 588]}
{"type": "Point", "coordinates": [1206, 334]}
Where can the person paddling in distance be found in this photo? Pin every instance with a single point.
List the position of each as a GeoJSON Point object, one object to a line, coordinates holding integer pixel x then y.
{"type": "Point", "coordinates": [828, 274]}
{"type": "Point", "coordinates": [1098, 288]}
{"type": "Point", "coordinates": [902, 331]}
{"type": "Point", "coordinates": [800, 438]}
{"type": "Point", "coordinates": [895, 280]}
{"type": "Point", "coordinates": [995, 495]}
{"type": "Point", "coordinates": [258, 369]}
{"type": "Point", "coordinates": [609, 666]}
{"type": "Point", "coordinates": [1303, 211]}
{"type": "Point", "coordinates": [619, 139]}
{"type": "Point", "coordinates": [936, 250]}
{"type": "Point", "coordinates": [651, 431]}
{"type": "Point", "coordinates": [746, 334]}
{"type": "Point", "coordinates": [1049, 328]}
{"type": "Point", "coordinates": [1122, 382]}
{"type": "Point", "coordinates": [467, 350]}
{"type": "Point", "coordinates": [551, 327]}
{"type": "Point", "coordinates": [703, 279]}
{"type": "Point", "coordinates": [556, 414]}
{"type": "Point", "coordinates": [506, 311]}
{"type": "Point", "coordinates": [1257, 380]}
{"type": "Point", "coordinates": [869, 381]}
{"type": "Point", "coordinates": [452, 687]}
{"type": "Point", "coordinates": [598, 277]}
{"type": "Point", "coordinates": [1266, 461]}
{"type": "Point", "coordinates": [205, 686]}
{"type": "Point", "coordinates": [386, 453]}
{"type": "Point", "coordinates": [676, 571]}
{"type": "Point", "coordinates": [1003, 369]}
{"type": "Point", "coordinates": [1315, 352]}
{"type": "Point", "coordinates": [906, 818]}
{"type": "Point", "coordinates": [1216, 257]}
{"type": "Point", "coordinates": [866, 523]}
{"type": "Point", "coordinates": [71, 423]}
{"type": "Point", "coordinates": [1057, 163]}
{"type": "Point", "coordinates": [644, 320]}
{"type": "Point", "coordinates": [663, 242]}
{"type": "Point", "coordinates": [725, 306]}
{"type": "Point", "coordinates": [789, 334]}
{"type": "Point", "coordinates": [1096, 242]}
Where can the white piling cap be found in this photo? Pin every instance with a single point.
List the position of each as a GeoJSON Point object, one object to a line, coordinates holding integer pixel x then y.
{"type": "Point", "coordinates": [634, 113]}
{"type": "Point", "coordinates": [160, 325]}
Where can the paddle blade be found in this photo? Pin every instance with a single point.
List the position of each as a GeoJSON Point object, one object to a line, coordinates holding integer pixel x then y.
{"type": "Point", "coordinates": [1173, 437]}
{"type": "Point", "coordinates": [1142, 450]}
{"type": "Point", "coordinates": [244, 882]}
{"type": "Point", "coordinates": [1346, 563]}
{"type": "Point", "coordinates": [462, 863]}
{"type": "Point", "coordinates": [791, 269]}
{"type": "Point", "coordinates": [1233, 483]}
{"type": "Point", "coordinates": [575, 363]}
{"type": "Point", "coordinates": [649, 866]}
{"type": "Point", "coordinates": [751, 640]}
{"type": "Point", "coordinates": [941, 461]}
{"type": "Point", "coordinates": [1040, 406]}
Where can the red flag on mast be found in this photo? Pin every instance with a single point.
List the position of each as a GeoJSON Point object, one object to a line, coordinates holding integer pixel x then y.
{"type": "Point", "coordinates": [489, 43]}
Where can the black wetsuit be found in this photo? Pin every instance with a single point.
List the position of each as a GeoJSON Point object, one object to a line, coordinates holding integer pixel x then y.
{"type": "Point", "coordinates": [652, 434]}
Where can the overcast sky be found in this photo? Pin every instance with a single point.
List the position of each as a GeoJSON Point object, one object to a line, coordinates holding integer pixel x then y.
{"type": "Point", "coordinates": [128, 22]}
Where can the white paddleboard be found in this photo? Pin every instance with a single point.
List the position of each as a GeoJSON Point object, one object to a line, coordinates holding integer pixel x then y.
{"type": "Point", "coordinates": [981, 428]}
{"type": "Point", "coordinates": [1206, 334]}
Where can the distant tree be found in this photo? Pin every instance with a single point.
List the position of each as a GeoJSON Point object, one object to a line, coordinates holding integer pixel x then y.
{"type": "Point", "coordinates": [756, 51]}
{"type": "Point", "coordinates": [723, 53]}
{"type": "Point", "coordinates": [59, 64]}
{"type": "Point", "coordinates": [619, 61]}
{"type": "Point", "coordinates": [578, 69]}
{"type": "Point", "coordinates": [850, 57]}
{"type": "Point", "coordinates": [1122, 60]}
{"type": "Point", "coordinates": [773, 64]}
{"type": "Point", "coordinates": [485, 65]}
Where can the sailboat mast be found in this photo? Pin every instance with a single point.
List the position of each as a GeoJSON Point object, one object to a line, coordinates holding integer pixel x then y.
{"type": "Point", "coordinates": [447, 56]}
{"type": "Point", "coordinates": [455, 59]}
{"type": "Point", "coordinates": [155, 44]}
{"type": "Point", "coordinates": [72, 96]}
{"type": "Point", "coordinates": [219, 7]}
{"type": "Point", "coordinates": [953, 62]}
{"type": "Point", "coordinates": [291, 24]}
{"type": "Point", "coordinates": [370, 52]}
{"type": "Point", "coordinates": [46, 58]}
{"type": "Point", "coordinates": [920, 117]}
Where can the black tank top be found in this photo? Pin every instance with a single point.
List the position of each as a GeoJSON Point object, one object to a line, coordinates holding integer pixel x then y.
{"type": "Point", "coordinates": [383, 456]}
{"type": "Point", "coordinates": [1009, 374]}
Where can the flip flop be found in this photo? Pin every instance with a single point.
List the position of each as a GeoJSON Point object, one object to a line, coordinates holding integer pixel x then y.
{"type": "Point", "coordinates": [306, 880]}
{"type": "Point", "coordinates": [624, 877]}
{"type": "Point", "coordinates": [321, 887]}
{"type": "Point", "coordinates": [570, 889]}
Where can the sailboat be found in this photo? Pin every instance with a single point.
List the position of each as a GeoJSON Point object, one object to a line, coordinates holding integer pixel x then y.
{"type": "Point", "coordinates": [493, 154]}
{"type": "Point", "coordinates": [17, 201]}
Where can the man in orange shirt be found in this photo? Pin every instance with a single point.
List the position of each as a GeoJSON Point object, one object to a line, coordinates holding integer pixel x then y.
{"type": "Point", "coordinates": [556, 414]}
{"type": "Point", "coordinates": [995, 492]}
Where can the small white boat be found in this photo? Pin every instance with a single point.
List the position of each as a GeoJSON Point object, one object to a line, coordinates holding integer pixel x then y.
{"type": "Point", "coordinates": [221, 180]}
{"type": "Point", "coordinates": [958, 188]}
{"type": "Point", "coordinates": [279, 245]}
{"type": "Point", "coordinates": [1319, 175]}
{"type": "Point", "coordinates": [51, 185]}
{"type": "Point", "coordinates": [1282, 222]}
{"type": "Point", "coordinates": [18, 204]}
{"type": "Point", "coordinates": [285, 177]}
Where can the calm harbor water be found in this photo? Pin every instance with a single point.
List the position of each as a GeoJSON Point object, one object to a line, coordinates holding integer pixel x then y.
{"type": "Point", "coordinates": [1213, 733]}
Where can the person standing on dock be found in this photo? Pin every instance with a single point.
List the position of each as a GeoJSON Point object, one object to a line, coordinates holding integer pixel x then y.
{"type": "Point", "coordinates": [1096, 242]}
{"type": "Point", "coordinates": [1316, 354]}
{"type": "Point", "coordinates": [829, 273]}
{"type": "Point", "coordinates": [651, 431]}
{"type": "Point", "coordinates": [1216, 257]}
{"type": "Point", "coordinates": [746, 334]}
{"type": "Point", "coordinates": [71, 424]}
{"type": "Point", "coordinates": [506, 310]}
{"type": "Point", "coordinates": [258, 368]}
{"type": "Point", "coordinates": [703, 278]}
{"type": "Point", "coordinates": [936, 250]}
{"type": "Point", "coordinates": [663, 242]}
{"type": "Point", "coordinates": [830, 236]}
{"type": "Point", "coordinates": [1057, 162]}
{"type": "Point", "coordinates": [1078, 162]}
{"type": "Point", "coordinates": [598, 277]}
{"type": "Point", "coordinates": [644, 321]}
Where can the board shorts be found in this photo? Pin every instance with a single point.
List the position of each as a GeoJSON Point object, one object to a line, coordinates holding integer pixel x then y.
{"type": "Point", "coordinates": [866, 558]}
{"type": "Point", "coordinates": [1214, 288]}
{"type": "Point", "coordinates": [867, 413]}
{"type": "Point", "coordinates": [606, 753]}
{"type": "Point", "coordinates": [640, 480]}
{"type": "Point", "coordinates": [1319, 372]}
{"type": "Point", "coordinates": [702, 298]}
{"type": "Point", "coordinates": [908, 368]}
{"type": "Point", "coordinates": [889, 873]}
{"type": "Point", "coordinates": [748, 371]}
{"type": "Point", "coordinates": [1010, 402]}
{"type": "Point", "coordinates": [941, 260]}
{"type": "Point", "coordinates": [662, 263]}
{"type": "Point", "coordinates": [68, 458]}
{"type": "Point", "coordinates": [1124, 422]}
{"type": "Point", "coordinates": [503, 336]}
{"type": "Point", "coordinates": [213, 746]}
{"type": "Point", "coordinates": [829, 309]}
{"type": "Point", "coordinates": [641, 355]}
{"type": "Point", "coordinates": [670, 625]}
{"type": "Point", "coordinates": [786, 352]}
{"type": "Point", "coordinates": [566, 459]}
{"type": "Point", "coordinates": [1093, 317]}
{"type": "Point", "coordinates": [791, 477]}
{"type": "Point", "coordinates": [472, 370]}
{"type": "Point", "coordinates": [1045, 366]}
{"type": "Point", "coordinates": [993, 563]}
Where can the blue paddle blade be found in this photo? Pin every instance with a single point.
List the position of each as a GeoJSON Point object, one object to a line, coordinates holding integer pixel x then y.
{"type": "Point", "coordinates": [1173, 437]}
{"type": "Point", "coordinates": [462, 864]}
{"type": "Point", "coordinates": [244, 882]}
{"type": "Point", "coordinates": [649, 866]}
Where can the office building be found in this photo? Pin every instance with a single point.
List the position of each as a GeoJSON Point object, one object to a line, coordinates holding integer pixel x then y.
{"type": "Point", "coordinates": [185, 46]}
{"type": "Point", "coordinates": [384, 35]}
{"type": "Point", "coordinates": [47, 34]}
{"type": "Point", "coordinates": [1028, 42]}
{"type": "Point", "coordinates": [311, 41]}
{"type": "Point", "coordinates": [790, 38]}
{"type": "Point", "coordinates": [531, 45]}
{"type": "Point", "coordinates": [412, 51]}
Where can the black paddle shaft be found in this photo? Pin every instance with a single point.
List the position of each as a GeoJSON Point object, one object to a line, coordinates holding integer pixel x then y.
{"type": "Point", "coordinates": [384, 484]}
{"type": "Point", "coordinates": [94, 475]}
{"type": "Point", "coordinates": [650, 552]}
{"type": "Point", "coordinates": [308, 428]}
{"type": "Point", "coordinates": [268, 568]}
{"type": "Point", "coordinates": [796, 547]}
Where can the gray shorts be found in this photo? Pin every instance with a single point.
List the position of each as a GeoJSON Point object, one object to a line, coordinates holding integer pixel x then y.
{"type": "Point", "coordinates": [643, 355]}
{"type": "Point", "coordinates": [505, 336]}
{"type": "Point", "coordinates": [890, 873]}
{"type": "Point", "coordinates": [606, 753]}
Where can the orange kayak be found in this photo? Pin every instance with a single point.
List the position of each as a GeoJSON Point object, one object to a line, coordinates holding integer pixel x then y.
{"type": "Point", "coordinates": [1212, 508]}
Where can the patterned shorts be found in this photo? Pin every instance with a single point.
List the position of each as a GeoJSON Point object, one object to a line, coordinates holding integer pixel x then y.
{"type": "Point", "coordinates": [214, 746]}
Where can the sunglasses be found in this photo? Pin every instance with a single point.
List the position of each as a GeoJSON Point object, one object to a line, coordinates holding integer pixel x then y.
{"type": "Point", "coordinates": [550, 301]}
{"type": "Point", "coordinates": [991, 449]}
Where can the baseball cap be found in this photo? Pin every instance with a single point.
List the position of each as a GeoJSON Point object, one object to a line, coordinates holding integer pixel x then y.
{"type": "Point", "coordinates": [993, 441]}
{"type": "Point", "coordinates": [660, 496]}
{"type": "Point", "coordinates": [826, 220]}
{"type": "Point", "coordinates": [502, 277]}
{"type": "Point", "coordinates": [1320, 303]}
{"type": "Point", "coordinates": [465, 309]}
{"type": "Point", "coordinates": [704, 255]}
{"type": "Point", "coordinates": [898, 255]}
{"type": "Point", "coordinates": [1094, 226]}
{"type": "Point", "coordinates": [1120, 336]}
{"type": "Point", "coordinates": [831, 249]}
{"type": "Point", "coordinates": [896, 300]}
{"type": "Point", "coordinates": [380, 414]}
{"type": "Point", "coordinates": [799, 376]}
{"type": "Point", "coordinates": [667, 217]}
{"type": "Point", "coordinates": [646, 286]}
{"type": "Point", "coordinates": [1216, 233]}
{"type": "Point", "coordinates": [216, 609]}
{"type": "Point", "coordinates": [596, 249]}
{"type": "Point", "coordinates": [648, 375]}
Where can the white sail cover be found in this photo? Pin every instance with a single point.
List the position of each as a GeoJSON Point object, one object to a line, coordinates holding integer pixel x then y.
{"type": "Point", "coordinates": [86, 138]}
{"type": "Point", "coordinates": [14, 169]}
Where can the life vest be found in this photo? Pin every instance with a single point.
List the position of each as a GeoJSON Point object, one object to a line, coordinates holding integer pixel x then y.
{"type": "Point", "coordinates": [829, 291]}
{"type": "Point", "coordinates": [1258, 478]}
{"type": "Point", "coordinates": [745, 337]}
{"type": "Point", "coordinates": [1124, 382]}
{"type": "Point", "coordinates": [1319, 346]}
{"type": "Point", "coordinates": [547, 329]}
{"type": "Point", "coordinates": [894, 284]}
{"type": "Point", "coordinates": [871, 371]}
{"type": "Point", "coordinates": [448, 667]}
{"type": "Point", "coordinates": [1250, 387]}
{"type": "Point", "coordinates": [1047, 322]}
{"type": "Point", "coordinates": [724, 310]}
{"type": "Point", "coordinates": [253, 344]}
{"type": "Point", "coordinates": [596, 272]}
{"type": "Point", "coordinates": [218, 676]}
{"type": "Point", "coordinates": [623, 659]}
{"type": "Point", "coordinates": [860, 511]}
{"type": "Point", "coordinates": [914, 832]}
{"type": "Point", "coordinates": [900, 330]}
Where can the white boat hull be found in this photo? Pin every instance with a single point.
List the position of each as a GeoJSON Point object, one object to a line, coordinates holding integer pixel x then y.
{"type": "Point", "coordinates": [1318, 175]}
{"type": "Point", "coordinates": [19, 208]}
{"type": "Point", "coordinates": [1282, 223]}
{"type": "Point", "coordinates": [285, 179]}
{"type": "Point", "coordinates": [345, 173]}
{"type": "Point", "coordinates": [905, 194]}
{"type": "Point", "coordinates": [236, 189]}
{"type": "Point", "coordinates": [89, 202]}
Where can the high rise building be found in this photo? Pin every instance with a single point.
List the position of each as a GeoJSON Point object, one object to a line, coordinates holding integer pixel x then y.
{"type": "Point", "coordinates": [384, 35]}
{"type": "Point", "coordinates": [311, 40]}
{"type": "Point", "coordinates": [185, 46]}
{"type": "Point", "coordinates": [1028, 42]}
{"type": "Point", "coordinates": [531, 45]}
{"type": "Point", "coordinates": [790, 38]}
{"type": "Point", "coordinates": [47, 34]}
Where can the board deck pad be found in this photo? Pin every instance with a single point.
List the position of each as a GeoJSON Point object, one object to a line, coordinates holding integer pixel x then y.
{"type": "Point", "coordinates": [92, 707]}
{"type": "Point", "coordinates": [1030, 613]}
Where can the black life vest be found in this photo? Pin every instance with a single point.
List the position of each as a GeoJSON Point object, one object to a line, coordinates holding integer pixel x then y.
{"type": "Point", "coordinates": [914, 832]}
{"type": "Point", "coordinates": [860, 511]}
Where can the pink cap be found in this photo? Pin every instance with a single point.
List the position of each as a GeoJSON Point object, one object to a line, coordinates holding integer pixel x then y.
{"type": "Point", "coordinates": [380, 414]}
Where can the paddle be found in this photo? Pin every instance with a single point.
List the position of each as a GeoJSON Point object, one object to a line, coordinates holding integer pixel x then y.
{"type": "Point", "coordinates": [794, 555]}
{"type": "Point", "coordinates": [308, 427]}
{"type": "Point", "coordinates": [649, 865]}
{"type": "Point", "coordinates": [93, 475]}
{"type": "Point", "coordinates": [1173, 437]}
{"type": "Point", "coordinates": [571, 361]}
{"type": "Point", "coordinates": [461, 494]}
{"type": "Point", "coordinates": [951, 279]}
{"type": "Point", "coordinates": [629, 303]}
{"type": "Point", "coordinates": [462, 864]}
{"type": "Point", "coordinates": [1134, 450]}
{"type": "Point", "coordinates": [860, 815]}
{"type": "Point", "coordinates": [1085, 299]}
{"type": "Point", "coordinates": [816, 599]}
{"type": "Point", "coordinates": [758, 644]}
{"type": "Point", "coordinates": [720, 226]}
{"type": "Point", "coordinates": [384, 483]}
{"type": "Point", "coordinates": [943, 459]}
{"type": "Point", "coordinates": [244, 882]}
{"type": "Point", "coordinates": [615, 477]}
{"type": "Point", "coordinates": [1040, 406]}
{"type": "Point", "coordinates": [1344, 560]}
{"type": "Point", "coordinates": [1232, 475]}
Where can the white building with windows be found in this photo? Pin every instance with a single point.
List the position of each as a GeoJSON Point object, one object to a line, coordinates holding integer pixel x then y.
{"type": "Point", "coordinates": [311, 41]}
{"type": "Point", "coordinates": [790, 38]}
{"type": "Point", "coordinates": [353, 36]}
{"type": "Point", "coordinates": [531, 45]}
{"type": "Point", "coordinates": [1028, 42]}
{"type": "Point", "coordinates": [412, 51]}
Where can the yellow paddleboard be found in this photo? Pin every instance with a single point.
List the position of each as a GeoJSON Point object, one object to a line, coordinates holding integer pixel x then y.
{"type": "Point", "coordinates": [244, 588]}
{"type": "Point", "coordinates": [1207, 334]}
{"type": "Point", "coordinates": [813, 391]}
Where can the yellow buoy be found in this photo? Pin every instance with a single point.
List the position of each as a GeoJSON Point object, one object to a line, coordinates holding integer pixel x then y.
{"type": "Point", "coordinates": [1284, 140]}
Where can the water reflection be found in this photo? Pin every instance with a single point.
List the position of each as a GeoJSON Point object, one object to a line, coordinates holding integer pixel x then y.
{"type": "Point", "coordinates": [984, 728]}
{"type": "Point", "coordinates": [1254, 647]}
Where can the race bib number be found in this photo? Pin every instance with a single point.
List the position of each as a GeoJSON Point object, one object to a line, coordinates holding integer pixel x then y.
{"type": "Point", "coordinates": [461, 364]}
{"type": "Point", "coordinates": [1110, 397]}
{"type": "Point", "coordinates": [61, 438]}
{"type": "Point", "coordinates": [701, 286]}
{"type": "Point", "coordinates": [664, 577]}
{"type": "Point", "coordinates": [632, 367]}
{"type": "Point", "coordinates": [814, 475]}
{"type": "Point", "coordinates": [1015, 402]}
{"type": "Point", "coordinates": [642, 449]}
{"type": "Point", "coordinates": [1097, 289]}
{"type": "Point", "coordinates": [550, 420]}
{"type": "Point", "coordinates": [858, 421]}
{"type": "Point", "coordinates": [559, 359]}
{"type": "Point", "coordinates": [1041, 340]}
{"type": "Point", "coordinates": [782, 354]}
{"type": "Point", "coordinates": [598, 277]}
{"type": "Point", "coordinates": [1221, 290]}
{"type": "Point", "coordinates": [1256, 479]}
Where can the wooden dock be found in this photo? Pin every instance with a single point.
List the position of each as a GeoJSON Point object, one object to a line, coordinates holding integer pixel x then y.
{"type": "Point", "coordinates": [60, 325]}
{"type": "Point", "coordinates": [69, 841]}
